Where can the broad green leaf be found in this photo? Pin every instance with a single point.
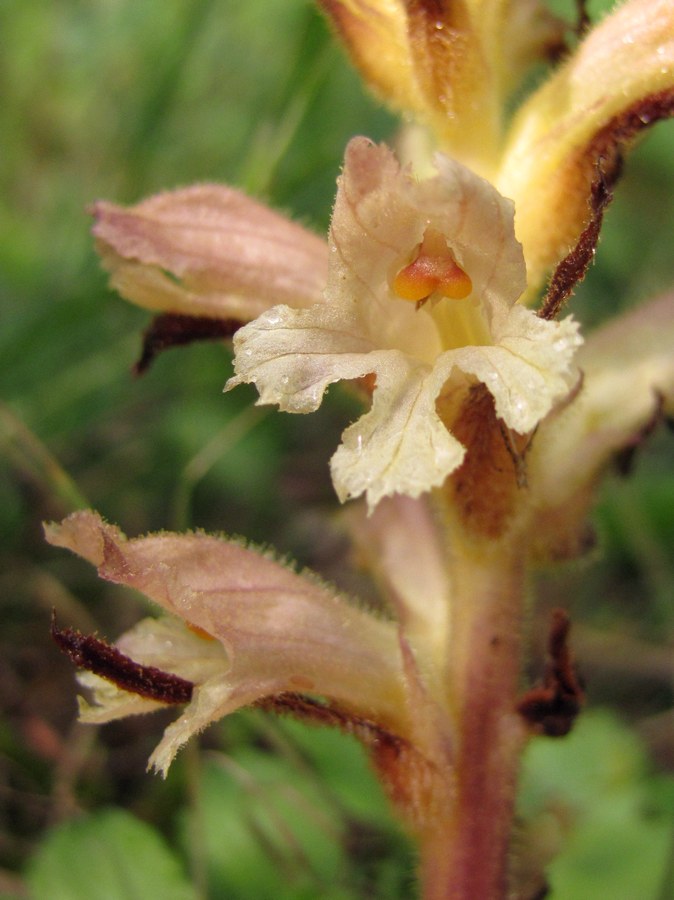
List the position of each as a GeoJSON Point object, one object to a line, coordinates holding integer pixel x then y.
{"type": "Point", "coordinates": [107, 856]}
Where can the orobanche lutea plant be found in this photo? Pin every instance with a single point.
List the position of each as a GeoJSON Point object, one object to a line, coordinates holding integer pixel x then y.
{"type": "Point", "coordinates": [486, 423]}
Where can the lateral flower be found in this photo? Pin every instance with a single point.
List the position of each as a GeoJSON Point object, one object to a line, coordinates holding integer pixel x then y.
{"type": "Point", "coordinates": [421, 293]}
{"type": "Point", "coordinates": [242, 627]}
{"type": "Point", "coordinates": [628, 389]}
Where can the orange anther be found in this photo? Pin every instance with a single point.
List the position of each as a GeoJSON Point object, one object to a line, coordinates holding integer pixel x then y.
{"type": "Point", "coordinates": [432, 273]}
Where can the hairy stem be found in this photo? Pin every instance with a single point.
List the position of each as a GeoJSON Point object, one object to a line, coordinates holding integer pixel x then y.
{"type": "Point", "coordinates": [466, 856]}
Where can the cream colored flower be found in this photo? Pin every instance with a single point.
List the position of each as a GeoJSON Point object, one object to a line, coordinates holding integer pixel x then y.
{"type": "Point", "coordinates": [422, 288]}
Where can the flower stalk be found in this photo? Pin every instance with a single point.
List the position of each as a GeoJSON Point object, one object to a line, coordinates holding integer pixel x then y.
{"type": "Point", "coordinates": [483, 674]}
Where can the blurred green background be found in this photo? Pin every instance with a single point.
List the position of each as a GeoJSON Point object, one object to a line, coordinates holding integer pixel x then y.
{"type": "Point", "coordinates": [117, 99]}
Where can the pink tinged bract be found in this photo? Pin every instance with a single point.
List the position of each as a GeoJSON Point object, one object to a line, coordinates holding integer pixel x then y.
{"type": "Point", "coordinates": [208, 250]}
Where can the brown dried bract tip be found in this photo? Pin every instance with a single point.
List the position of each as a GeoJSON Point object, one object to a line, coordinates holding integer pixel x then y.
{"type": "Point", "coordinates": [94, 655]}
{"type": "Point", "coordinates": [605, 154]}
{"type": "Point", "coordinates": [175, 330]}
{"type": "Point", "coordinates": [573, 268]}
{"type": "Point", "coordinates": [552, 708]}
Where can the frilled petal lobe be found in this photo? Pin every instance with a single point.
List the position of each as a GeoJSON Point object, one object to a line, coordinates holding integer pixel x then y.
{"type": "Point", "coordinates": [447, 63]}
{"type": "Point", "coordinates": [628, 387]}
{"type": "Point", "coordinates": [620, 79]}
{"type": "Point", "coordinates": [528, 367]}
{"type": "Point", "coordinates": [381, 219]}
{"type": "Point", "coordinates": [208, 250]}
{"type": "Point", "coordinates": [274, 631]}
